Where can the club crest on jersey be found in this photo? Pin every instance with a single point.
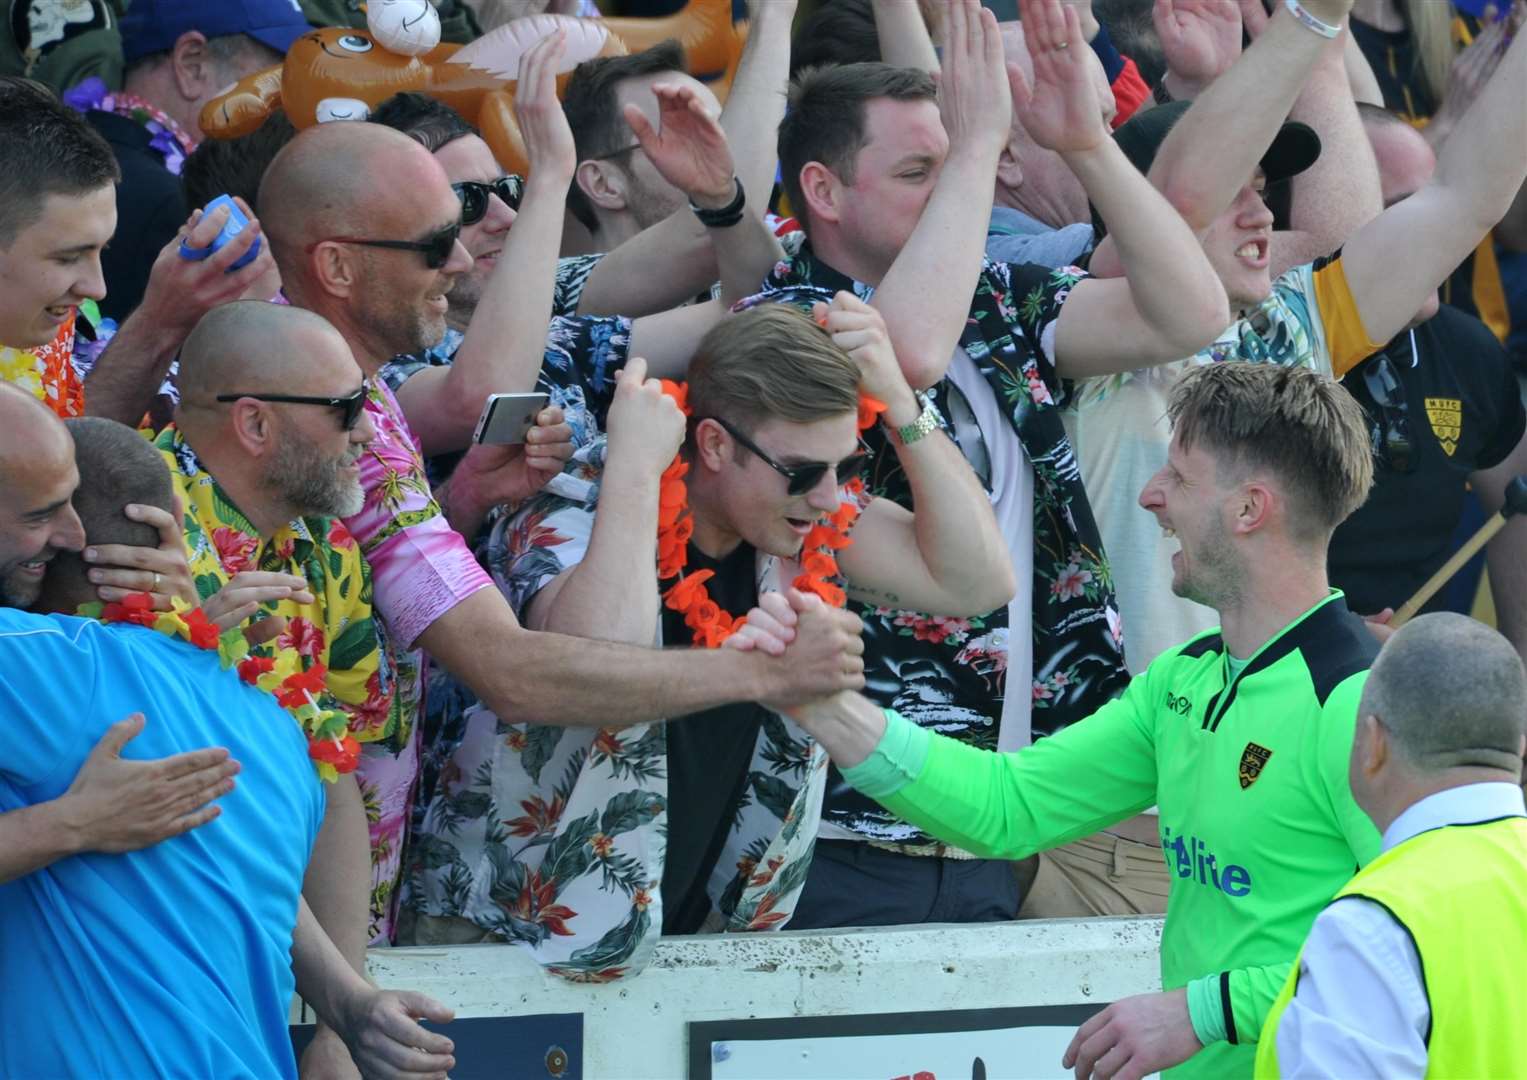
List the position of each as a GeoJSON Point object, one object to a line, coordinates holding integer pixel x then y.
{"type": "Point", "coordinates": [1446, 416]}
{"type": "Point", "coordinates": [1253, 758]}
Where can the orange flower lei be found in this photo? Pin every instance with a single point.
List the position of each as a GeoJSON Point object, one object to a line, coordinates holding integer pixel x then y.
{"type": "Point", "coordinates": [331, 747]}
{"type": "Point", "coordinates": [819, 565]}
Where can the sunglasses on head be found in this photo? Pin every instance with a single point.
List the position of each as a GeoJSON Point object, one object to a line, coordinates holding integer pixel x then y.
{"type": "Point", "coordinates": [1389, 395]}
{"type": "Point", "coordinates": [474, 196]}
{"type": "Point", "coordinates": [437, 247]}
{"type": "Point", "coordinates": [350, 406]}
{"type": "Point", "coordinates": [802, 477]}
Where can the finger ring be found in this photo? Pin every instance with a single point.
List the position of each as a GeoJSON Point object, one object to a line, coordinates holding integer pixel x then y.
{"type": "Point", "coordinates": [1064, 45]}
{"type": "Point", "coordinates": [156, 581]}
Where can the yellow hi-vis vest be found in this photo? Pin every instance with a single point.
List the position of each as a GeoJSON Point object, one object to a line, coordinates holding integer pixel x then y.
{"type": "Point", "coordinates": [1461, 893]}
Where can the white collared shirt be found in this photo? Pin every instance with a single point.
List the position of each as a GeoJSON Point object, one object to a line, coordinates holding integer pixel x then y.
{"type": "Point", "coordinates": [1361, 1008]}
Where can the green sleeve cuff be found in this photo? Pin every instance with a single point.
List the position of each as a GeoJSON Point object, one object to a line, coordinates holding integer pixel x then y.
{"type": "Point", "coordinates": [1206, 1010]}
{"type": "Point", "coordinates": [896, 761]}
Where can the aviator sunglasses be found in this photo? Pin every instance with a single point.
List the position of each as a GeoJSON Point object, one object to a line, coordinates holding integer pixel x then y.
{"type": "Point", "coordinates": [801, 478]}
{"type": "Point", "coordinates": [350, 406]}
{"type": "Point", "coordinates": [474, 196]}
{"type": "Point", "coordinates": [437, 247]}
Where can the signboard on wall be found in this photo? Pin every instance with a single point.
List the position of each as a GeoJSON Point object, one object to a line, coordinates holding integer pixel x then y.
{"type": "Point", "coordinates": [966, 1044]}
{"type": "Point", "coordinates": [544, 1047]}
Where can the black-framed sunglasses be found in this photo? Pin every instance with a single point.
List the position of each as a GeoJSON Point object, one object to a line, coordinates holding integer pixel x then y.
{"type": "Point", "coordinates": [801, 478]}
{"type": "Point", "coordinates": [350, 406]}
{"type": "Point", "coordinates": [474, 196]}
{"type": "Point", "coordinates": [437, 247]}
{"type": "Point", "coordinates": [1388, 394]}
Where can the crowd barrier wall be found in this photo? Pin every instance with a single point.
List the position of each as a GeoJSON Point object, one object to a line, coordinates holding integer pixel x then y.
{"type": "Point", "coordinates": [901, 1003]}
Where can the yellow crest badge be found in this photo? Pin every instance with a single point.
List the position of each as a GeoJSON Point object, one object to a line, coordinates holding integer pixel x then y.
{"type": "Point", "coordinates": [1253, 758]}
{"type": "Point", "coordinates": [1446, 416]}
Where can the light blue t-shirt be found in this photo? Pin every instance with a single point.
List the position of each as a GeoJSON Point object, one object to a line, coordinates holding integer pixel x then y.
{"type": "Point", "coordinates": [173, 961]}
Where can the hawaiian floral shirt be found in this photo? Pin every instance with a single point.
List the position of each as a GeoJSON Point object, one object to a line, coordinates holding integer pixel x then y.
{"type": "Point", "coordinates": [951, 673]}
{"type": "Point", "coordinates": [166, 137]}
{"type": "Point", "coordinates": [554, 838]}
{"type": "Point", "coordinates": [421, 568]}
{"type": "Point", "coordinates": [336, 630]}
{"type": "Point", "coordinates": [48, 372]}
{"type": "Point", "coordinates": [372, 680]}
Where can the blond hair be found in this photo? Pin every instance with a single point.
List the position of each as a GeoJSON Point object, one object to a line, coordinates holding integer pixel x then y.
{"type": "Point", "coordinates": [771, 362]}
{"type": "Point", "coordinates": [1303, 427]}
{"type": "Point", "coordinates": [1431, 30]}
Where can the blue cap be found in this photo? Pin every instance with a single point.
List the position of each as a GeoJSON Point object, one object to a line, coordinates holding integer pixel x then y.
{"type": "Point", "coordinates": [150, 26]}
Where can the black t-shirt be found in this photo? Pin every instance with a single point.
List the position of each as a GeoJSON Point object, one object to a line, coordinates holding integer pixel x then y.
{"type": "Point", "coordinates": [708, 758]}
{"type": "Point", "coordinates": [1463, 412]}
{"type": "Point", "coordinates": [151, 208]}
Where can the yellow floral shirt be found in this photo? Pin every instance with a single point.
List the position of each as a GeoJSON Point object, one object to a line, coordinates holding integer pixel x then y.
{"type": "Point", "coordinates": [337, 630]}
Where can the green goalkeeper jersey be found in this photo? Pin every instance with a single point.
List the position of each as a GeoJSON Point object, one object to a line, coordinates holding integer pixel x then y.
{"type": "Point", "coordinates": [1258, 825]}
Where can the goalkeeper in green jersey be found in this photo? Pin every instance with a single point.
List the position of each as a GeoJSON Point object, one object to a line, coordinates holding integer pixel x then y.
{"type": "Point", "coordinates": [1240, 735]}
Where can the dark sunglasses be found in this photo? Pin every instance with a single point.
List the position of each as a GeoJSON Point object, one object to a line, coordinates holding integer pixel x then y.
{"type": "Point", "coordinates": [437, 248]}
{"type": "Point", "coordinates": [350, 407]}
{"type": "Point", "coordinates": [1387, 393]}
{"type": "Point", "coordinates": [801, 478]}
{"type": "Point", "coordinates": [474, 196]}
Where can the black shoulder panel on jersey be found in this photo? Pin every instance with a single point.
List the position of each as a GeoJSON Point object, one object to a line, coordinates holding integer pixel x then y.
{"type": "Point", "coordinates": [1335, 645]}
{"type": "Point", "coordinates": [1203, 646]}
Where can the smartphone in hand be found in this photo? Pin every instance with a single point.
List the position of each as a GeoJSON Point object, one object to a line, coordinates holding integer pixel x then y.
{"type": "Point", "coordinates": [507, 418]}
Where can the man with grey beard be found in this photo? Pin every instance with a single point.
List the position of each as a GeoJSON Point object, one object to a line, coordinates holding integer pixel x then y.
{"type": "Point", "coordinates": [264, 452]}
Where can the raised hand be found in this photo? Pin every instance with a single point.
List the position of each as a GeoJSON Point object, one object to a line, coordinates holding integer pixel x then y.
{"type": "Point", "coordinates": [543, 124]}
{"type": "Point", "coordinates": [645, 425]}
{"type": "Point", "coordinates": [120, 805]}
{"type": "Point", "coordinates": [1199, 38]}
{"type": "Point", "coordinates": [180, 291]}
{"type": "Point", "coordinates": [1061, 112]}
{"type": "Point", "coordinates": [688, 147]}
{"type": "Point", "coordinates": [859, 330]}
{"type": "Point", "coordinates": [975, 89]}
{"type": "Point", "coordinates": [163, 572]}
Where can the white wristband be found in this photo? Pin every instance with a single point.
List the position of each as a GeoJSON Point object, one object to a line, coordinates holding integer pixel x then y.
{"type": "Point", "coordinates": [1324, 29]}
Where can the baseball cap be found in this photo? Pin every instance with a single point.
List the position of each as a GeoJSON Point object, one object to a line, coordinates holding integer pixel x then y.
{"type": "Point", "coordinates": [150, 26]}
{"type": "Point", "coordinates": [1294, 148]}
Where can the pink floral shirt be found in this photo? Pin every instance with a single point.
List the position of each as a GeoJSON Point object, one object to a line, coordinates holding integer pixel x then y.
{"type": "Point", "coordinates": [421, 567]}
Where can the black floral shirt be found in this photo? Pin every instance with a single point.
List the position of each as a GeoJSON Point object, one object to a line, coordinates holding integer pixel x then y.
{"type": "Point", "coordinates": [950, 674]}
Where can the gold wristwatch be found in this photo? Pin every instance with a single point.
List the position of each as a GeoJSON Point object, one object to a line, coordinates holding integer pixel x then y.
{"type": "Point", "coordinates": [925, 424]}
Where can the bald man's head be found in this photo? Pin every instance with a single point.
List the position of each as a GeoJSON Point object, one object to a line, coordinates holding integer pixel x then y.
{"type": "Point", "coordinates": [277, 459]}
{"type": "Point", "coordinates": [250, 346]}
{"type": "Point", "coordinates": [37, 482]}
{"type": "Point", "coordinates": [333, 180]}
{"type": "Point", "coordinates": [335, 184]}
{"type": "Point", "coordinates": [1451, 693]}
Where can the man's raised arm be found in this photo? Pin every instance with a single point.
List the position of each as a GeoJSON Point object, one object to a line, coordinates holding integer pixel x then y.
{"type": "Point", "coordinates": [506, 340]}
{"type": "Point", "coordinates": [1238, 107]}
{"type": "Point", "coordinates": [925, 295]}
{"type": "Point", "coordinates": [1395, 261]}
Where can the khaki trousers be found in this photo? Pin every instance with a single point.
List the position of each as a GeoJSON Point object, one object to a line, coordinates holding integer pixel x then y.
{"type": "Point", "coordinates": [1098, 875]}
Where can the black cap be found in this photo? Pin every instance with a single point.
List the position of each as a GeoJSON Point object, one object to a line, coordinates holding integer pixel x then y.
{"type": "Point", "coordinates": [1294, 148]}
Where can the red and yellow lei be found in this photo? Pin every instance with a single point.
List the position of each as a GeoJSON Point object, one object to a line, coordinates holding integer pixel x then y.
{"type": "Point", "coordinates": [331, 747]}
{"type": "Point", "coordinates": [710, 625]}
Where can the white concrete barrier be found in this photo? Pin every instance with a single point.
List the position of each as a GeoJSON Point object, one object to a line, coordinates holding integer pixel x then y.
{"type": "Point", "coordinates": [639, 1028]}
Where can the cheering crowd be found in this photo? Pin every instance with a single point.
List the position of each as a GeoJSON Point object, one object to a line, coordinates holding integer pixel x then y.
{"type": "Point", "coordinates": [979, 468]}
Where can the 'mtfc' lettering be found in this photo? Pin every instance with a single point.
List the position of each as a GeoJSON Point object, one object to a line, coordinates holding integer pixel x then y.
{"type": "Point", "coordinates": [1189, 858]}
